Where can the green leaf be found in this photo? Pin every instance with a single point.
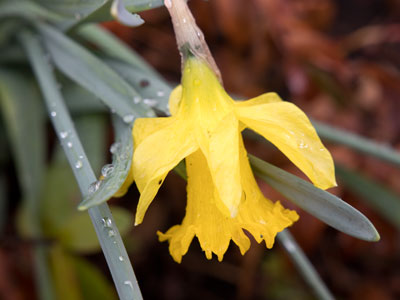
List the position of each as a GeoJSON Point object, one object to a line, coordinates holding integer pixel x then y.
{"type": "Point", "coordinates": [91, 73]}
{"type": "Point", "coordinates": [115, 48]}
{"type": "Point", "coordinates": [24, 119]}
{"type": "Point", "coordinates": [64, 272]}
{"type": "Point", "coordinates": [28, 10]}
{"type": "Point", "coordinates": [74, 94]}
{"type": "Point", "coordinates": [94, 285]}
{"type": "Point", "coordinates": [92, 129]}
{"type": "Point", "coordinates": [79, 12]}
{"type": "Point", "coordinates": [78, 233]}
{"type": "Point", "coordinates": [153, 91]}
{"type": "Point", "coordinates": [358, 143]}
{"type": "Point", "coordinates": [119, 12]}
{"type": "Point", "coordinates": [304, 266]}
{"type": "Point", "coordinates": [122, 155]}
{"type": "Point", "coordinates": [386, 202]}
{"type": "Point", "coordinates": [319, 203]}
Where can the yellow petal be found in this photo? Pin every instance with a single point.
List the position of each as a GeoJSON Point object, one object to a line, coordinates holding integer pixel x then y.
{"type": "Point", "coordinates": [223, 160]}
{"type": "Point", "coordinates": [144, 127]}
{"type": "Point", "coordinates": [174, 100]}
{"type": "Point", "coordinates": [155, 156]}
{"type": "Point", "coordinates": [289, 129]}
{"type": "Point", "coordinates": [262, 99]}
{"type": "Point", "coordinates": [257, 214]}
{"type": "Point", "coordinates": [203, 218]}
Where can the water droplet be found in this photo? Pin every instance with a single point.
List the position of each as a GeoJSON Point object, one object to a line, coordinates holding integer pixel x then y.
{"type": "Point", "coordinates": [121, 258]}
{"type": "Point", "coordinates": [160, 93]}
{"type": "Point", "coordinates": [198, 33]}
{"type": "Point", "coordinates": [184, 20]}
{"type": "Point", "coordinates": [78, 164]}
{"type": "Point", "coordinates": [144, 83]}
{"type": "Point", "coordinates": [53, 114]}
{"type": "Point", "coordinates": [303, 145]}
{"type": "Point", "coordinates": [115, 148]}
{"type": "Point", "coordinates": [81, 156]}
{"type": "Point", "coordinates": [111, 233]}
{"type": "Point", "coordinates": [128, 118]}
{"type": "Point", "coordinates": [106, 222]}
{"type": "Point", "coordinates": [69, 145]}
{"type": "Point", "coordinates": [94, 186]}
{"type": "Point", "coordinates": [137, 99]}
{"type": "Point", "coordinates": [128, 283]}
{"type": "Point", "coordinates": [63, 134]}
{"type": "Point", "coordinates": [150, 102]}
{"type": "Point", "coordinates": [196, 82]}
{"type": "Point", "coordinates": [107, 170]}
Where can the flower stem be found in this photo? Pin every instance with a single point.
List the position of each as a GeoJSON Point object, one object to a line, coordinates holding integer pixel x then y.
{"type": "Point", "coordinates": [103, 222]}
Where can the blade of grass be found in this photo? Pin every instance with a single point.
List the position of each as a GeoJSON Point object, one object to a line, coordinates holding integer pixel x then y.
{"type": "Point", "coordinates": [109, 237]}
{"type": "Point", "coordinates": [358, 143]}
{"type": "Point", "coordinates": [24, 119]}
{"type": "Point", "coordinates": [319, 203]}
{"type": "Point", "coordinates": [304, 266]}
{"type": "Point", "coordinates": [386, 202]}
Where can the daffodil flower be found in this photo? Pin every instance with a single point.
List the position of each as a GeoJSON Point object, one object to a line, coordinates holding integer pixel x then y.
{"type": "Point", "coordinates": [223, 196]}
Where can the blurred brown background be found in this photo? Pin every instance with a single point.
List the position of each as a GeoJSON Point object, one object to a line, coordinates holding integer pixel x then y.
{"type": "Point", "coordinates": [337, 60]}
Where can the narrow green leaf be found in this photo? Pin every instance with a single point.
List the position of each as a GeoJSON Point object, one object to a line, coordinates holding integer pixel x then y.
{"type": "Point", "coordinates": [94, 285]}
{"type": "Point", "coordinates": [153, 91]}
{"type": "Point", "coordinates": [304, 266]}
{"type": "Point", "coordinates": [91, 73]}
{"type": "Point", "coordinates": [115, 48]}
{"type": "Point", "coordinates": [78, 234]}
{"type": "Point", "coordinates": [92, 130]}
{"type": "Point", "coordinates": [319, 203]}
{"type": "Point", "coordinates": [24, 121]}
{"type": "Point", "coordinates": [64, 274]}
{"type": "Point", "coordinates": [119, 12]}
{"type": "Point", "coordinates": [386, 202]}
{"type": "Point", "coordinates": [28, 10]}
{"type": "Point", "coordinates": [102, 220]}
{"type": "Point", "coordinates": [122, 150]}
{"type": "Point", "coordinates": [359, 143]}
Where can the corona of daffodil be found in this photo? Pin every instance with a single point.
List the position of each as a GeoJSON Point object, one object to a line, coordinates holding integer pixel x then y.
{"type": "Point", "coordinates": [223, 196]}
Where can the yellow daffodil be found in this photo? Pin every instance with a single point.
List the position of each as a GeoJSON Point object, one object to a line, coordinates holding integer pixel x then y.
{"type": "Point", "coordinates": [223, 196]}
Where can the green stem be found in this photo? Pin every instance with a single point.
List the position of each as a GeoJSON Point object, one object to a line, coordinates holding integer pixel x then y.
{"type": "Point", "coordinates": [103, 222]}
{"type": "Point", "coordinates": [304, 266]}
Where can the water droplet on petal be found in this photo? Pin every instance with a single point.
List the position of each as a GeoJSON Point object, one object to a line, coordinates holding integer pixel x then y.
{"type": "Point", "coordinates": [107, 170]}
{"type": "Point", "coordinates": [128, 118]}
{"type": "Point", "coordinates": [184, 20]}
{"type": "Point", "coordinates": [197, 82]}
{"type": "Point", "coordinates": [78, 164]}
